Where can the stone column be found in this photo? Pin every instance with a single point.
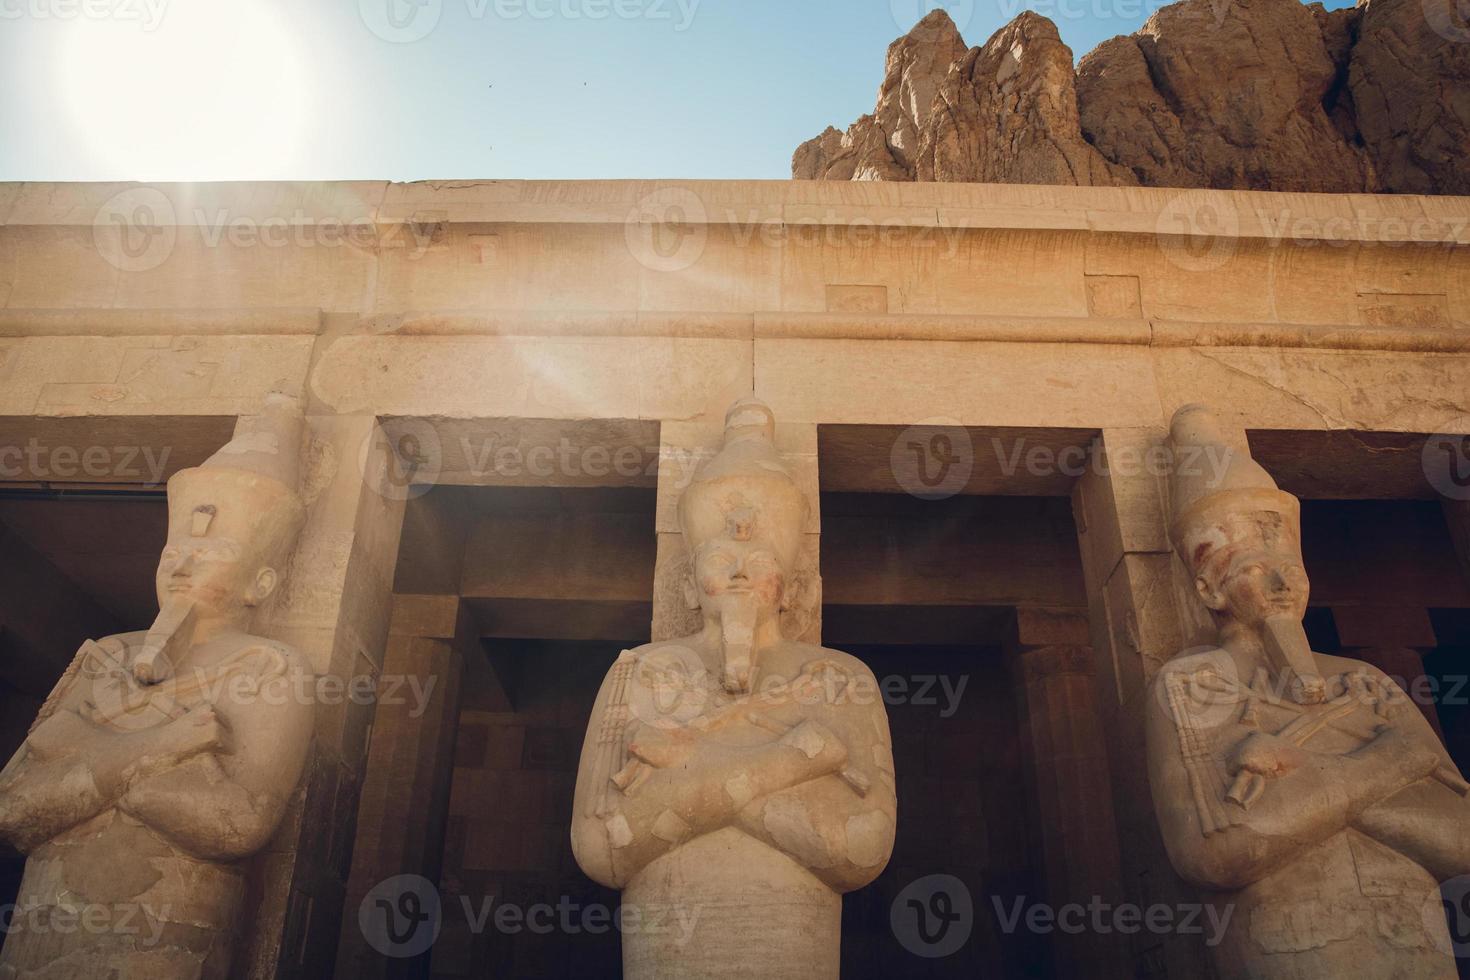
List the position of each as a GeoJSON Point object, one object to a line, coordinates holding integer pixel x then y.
{"type": "Point", "coordinates": [1067, 780]}
{"type": "Point", "coordinates": [333, 607]}
{"type": "Point", "coordinates": [1393, 639]}
{"type": "Point", "coordinates": [405, 792]}
{"type": "Point", "coordinates": [1141, 612]}
{"type": "Point", "coordinates": [683, 446]}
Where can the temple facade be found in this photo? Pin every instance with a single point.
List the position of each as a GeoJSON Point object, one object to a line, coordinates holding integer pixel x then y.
{"type": "Point", "coordinates": [988, 524]}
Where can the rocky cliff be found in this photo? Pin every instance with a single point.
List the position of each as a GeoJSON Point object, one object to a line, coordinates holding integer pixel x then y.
{"type": "Point", "coordinates": [1256, 94]}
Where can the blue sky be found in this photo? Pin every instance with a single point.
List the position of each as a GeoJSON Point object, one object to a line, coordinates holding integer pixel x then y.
{"type": "Point", "coordinates": [422, 89]}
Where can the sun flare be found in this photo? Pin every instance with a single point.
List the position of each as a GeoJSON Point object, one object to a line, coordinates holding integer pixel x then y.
{"type": "Point", "coordinates": [189, 90]}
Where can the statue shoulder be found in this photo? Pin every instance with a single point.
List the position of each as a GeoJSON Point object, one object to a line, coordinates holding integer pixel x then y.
{"type": "Point", "coordinates": [813, 656]}
{"type": "Point", "coordinates": [659, 652]}
{"type": "Point", "coordinates": [1194, 666]}
{"type": "Point", "coordinates": [1332, 666]}
{"type": "Point", "coordinates": [295, 661]}
{"type": "Point", "coordinates": [1201, 689]}
{"type": "Point", "coordinates": [263, 657]}
{"type": "Point", "coordinates": [122, 646]}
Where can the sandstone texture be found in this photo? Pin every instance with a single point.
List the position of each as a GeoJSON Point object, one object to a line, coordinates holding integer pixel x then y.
{"type": "Point", "coordinates": [1226, 94]}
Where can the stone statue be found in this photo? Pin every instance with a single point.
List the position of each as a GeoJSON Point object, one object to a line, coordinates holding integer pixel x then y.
{"type": "Point", "coordinates": [1305, 788]}
{"type": "Point", "coordinates": [162, 759]}
{"type": "Point", "coordinates": [735, 783]}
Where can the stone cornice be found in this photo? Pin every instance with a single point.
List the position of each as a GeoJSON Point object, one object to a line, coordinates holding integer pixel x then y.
{"type": "Point", "coordinates": [1344, 218]}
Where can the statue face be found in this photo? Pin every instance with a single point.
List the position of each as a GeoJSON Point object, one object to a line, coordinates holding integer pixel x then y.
{"type": "Point", "coordinates": [212, 571]}
{"type": "Point", "coordinates": [1254, 584]}
{"type": "Point", "coordinates": [727, 571]}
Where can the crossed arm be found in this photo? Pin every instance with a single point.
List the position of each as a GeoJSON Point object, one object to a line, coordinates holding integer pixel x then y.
{"type": "Point", "coordinates": [1311, 797]}
{"type": "Point", "coordinates": [214, 789]}
{"type": "Point", "coordinates": [699, 783]}
{"type": "Point", "coordinates": [69, 770]}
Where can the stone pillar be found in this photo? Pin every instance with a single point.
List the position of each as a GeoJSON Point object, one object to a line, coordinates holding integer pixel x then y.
{"type": "Point", "coordinates": [1067, 780]}
{"type": "Point", "coordinates": [405, 792]}
{"type": "Point", "coordinates": [683, 446]}
{"type": "Point", "coordinates": [1142, 611]}
{"type": "Point", "coordinates": [1393, 639]}
{"type": "Point", "coordinates": [333, 606]}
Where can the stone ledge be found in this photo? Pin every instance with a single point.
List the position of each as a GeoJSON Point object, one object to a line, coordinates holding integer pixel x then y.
{"type": "Point", "coordinates": [1125, 331]}
{"type": "Point", "coordinates": [1267, 215]}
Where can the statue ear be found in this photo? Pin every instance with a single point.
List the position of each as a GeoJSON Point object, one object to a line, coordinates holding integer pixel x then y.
{"type": "Point", "coordinates": [265, 583]}
{"type": "Point", "coordinates": [1209, 595]}
{"type": "Point", "coordinates": [691, 590]}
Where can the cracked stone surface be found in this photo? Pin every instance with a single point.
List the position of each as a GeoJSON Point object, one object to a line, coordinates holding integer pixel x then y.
{"type": "Point", "coordinates": [1226, 94]}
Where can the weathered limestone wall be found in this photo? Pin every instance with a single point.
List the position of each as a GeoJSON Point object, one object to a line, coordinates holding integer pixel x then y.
{"type": "Point", "coordinates": [437, 305]}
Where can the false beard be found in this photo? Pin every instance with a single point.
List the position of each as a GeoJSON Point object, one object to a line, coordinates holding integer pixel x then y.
{"type": "Point", "coordinates": [168, 640]}
{"type": "Point", "coordinates": [1291, 659]}
{"type": "Point", "coordinates": [738, 617]}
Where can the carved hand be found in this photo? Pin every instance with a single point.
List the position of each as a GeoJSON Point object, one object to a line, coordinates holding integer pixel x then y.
{"type": "Point", "coordinates": [660, 748]}
{"type": "Point", "coordinates": [824, 750]}
{"type": "Point", "coordinates": [1266, 755]}
{"type": "Point", "coordinates": [200, 730]}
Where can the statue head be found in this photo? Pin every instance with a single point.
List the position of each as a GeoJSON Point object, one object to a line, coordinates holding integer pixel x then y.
{"type": "Point", "coordinates": [1240, 537]}
{"type": "Point", "coordinates": [742, 518]}
{"type": "Point", "coordinates": [232, 520]}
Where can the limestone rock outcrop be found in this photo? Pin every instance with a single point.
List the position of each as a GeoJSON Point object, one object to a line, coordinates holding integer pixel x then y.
{"type": "Point", "coordinates": [1247, 94]}
{"type": "Point", "coordinates": [1007, 112]}
{"type": "Point", "coordinates": [886, 145]}
{"type": "Point", "coordinates": [1410, 82]}
{"type": "Point", "coordinates": [1238, 99]}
